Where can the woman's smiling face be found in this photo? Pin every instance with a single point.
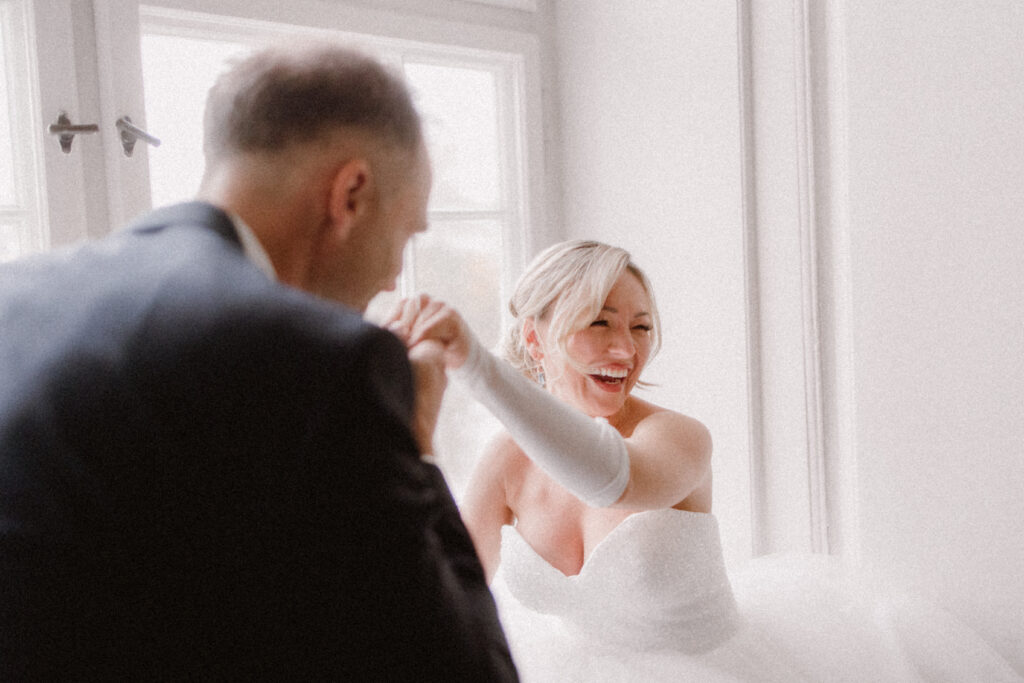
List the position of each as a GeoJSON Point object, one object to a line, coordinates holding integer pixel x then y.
{"type": "Point", "coordinates": [607, 356]}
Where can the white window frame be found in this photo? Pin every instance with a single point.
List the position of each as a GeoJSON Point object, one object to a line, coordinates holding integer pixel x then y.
{"type": "Point", "coordinates": [44, 73]}
{"type": "Point", "coordinates": [18, 61]}
{"type": "Point", "coordinates": [511, 55]}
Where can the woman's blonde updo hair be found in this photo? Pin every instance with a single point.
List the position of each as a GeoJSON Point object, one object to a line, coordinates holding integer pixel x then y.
{"type": "Point", "coordinates": [566, 285]}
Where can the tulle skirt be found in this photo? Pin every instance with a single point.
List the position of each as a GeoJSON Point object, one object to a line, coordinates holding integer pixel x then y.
{"type": "Point", "coordinates": [800, 618]}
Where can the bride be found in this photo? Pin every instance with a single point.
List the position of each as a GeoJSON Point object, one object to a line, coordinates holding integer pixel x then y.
{"type": "Point", "coordinates": [592, 516]}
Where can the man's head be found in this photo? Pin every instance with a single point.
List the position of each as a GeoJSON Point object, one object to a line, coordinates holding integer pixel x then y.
{"type": "Point", "coordinates": [319, 149]}
{"type": "Point", "coordinates": [288, 95]}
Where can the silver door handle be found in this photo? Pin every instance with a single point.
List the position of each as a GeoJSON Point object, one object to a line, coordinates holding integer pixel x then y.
{"type": "Point", "coordinates": [130, 133]}
{"type": "Point", "coordinates": [66, 131]}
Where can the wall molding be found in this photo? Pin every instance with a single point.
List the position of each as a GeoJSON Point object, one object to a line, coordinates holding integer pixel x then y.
{"type": "Point", "coordinates": [827, 70]}
{"type": "Point", "coordinates": [809, 225]}
{"type": "Point", "coordinates": [797, 296]}
{"type": "Point", "coordinates": [748, 212]}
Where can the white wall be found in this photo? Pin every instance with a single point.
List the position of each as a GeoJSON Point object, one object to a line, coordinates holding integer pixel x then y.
{"type": "Point", "coordinates": [936, 232]}
{"type": "Point", "coordinates": [651, 162]}
{"type": "Point", "coordinates": [868, 204]}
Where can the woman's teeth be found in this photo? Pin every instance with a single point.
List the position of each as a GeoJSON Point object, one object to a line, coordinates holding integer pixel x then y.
{"type": "Point", "coordinates": [613, 373]}
{"type": "Point", "coordinates": [610, 375]}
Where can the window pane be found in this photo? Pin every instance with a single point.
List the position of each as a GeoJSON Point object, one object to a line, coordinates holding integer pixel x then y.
{"type": "Point", "coordinates": [177, 73]}
{"type": "Point", "coordinates": [460, 262]}
{"type": "Point", "coordinates": [8, 192]}
{"type": "Point", "coordinates": [460, 112]}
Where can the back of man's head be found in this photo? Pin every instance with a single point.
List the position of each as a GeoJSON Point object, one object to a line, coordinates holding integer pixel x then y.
{"type": "Point", "coordinates": [287, 95]}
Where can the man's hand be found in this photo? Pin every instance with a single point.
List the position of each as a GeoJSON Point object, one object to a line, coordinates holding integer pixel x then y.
{"type": "Point", "coordinates": [437, 338]}
{"type": "Point", "coordinates": [428, 372]}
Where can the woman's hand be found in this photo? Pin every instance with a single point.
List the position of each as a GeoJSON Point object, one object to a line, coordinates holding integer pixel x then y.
{"type": "Point", "coordinates": [421, 319]}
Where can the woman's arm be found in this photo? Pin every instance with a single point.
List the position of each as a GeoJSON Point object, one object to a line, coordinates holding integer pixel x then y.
{"type": "Point", "coordinates": [666, 458]}
{"type": "Point", "coordinates": [484, 506]}
{"type": "Point", "coordinates": [669, 459]}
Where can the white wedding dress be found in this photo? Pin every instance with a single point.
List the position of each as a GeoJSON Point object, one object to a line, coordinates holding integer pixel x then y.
{"type": "Point", "coordinates": [653, 602]}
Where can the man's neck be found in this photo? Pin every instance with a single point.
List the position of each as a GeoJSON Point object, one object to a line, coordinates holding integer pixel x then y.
{"type": "Point", "coordinates": [278, 221]}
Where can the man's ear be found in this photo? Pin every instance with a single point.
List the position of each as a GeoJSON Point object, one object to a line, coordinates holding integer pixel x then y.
{"type": "Point", "coordinates": [532, 339]}
{"type": "Point", "coordinates": [352, 195]}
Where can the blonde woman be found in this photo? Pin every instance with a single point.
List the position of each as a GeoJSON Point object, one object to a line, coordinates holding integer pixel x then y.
{"type": "Point", "coordinates": [591, 512]}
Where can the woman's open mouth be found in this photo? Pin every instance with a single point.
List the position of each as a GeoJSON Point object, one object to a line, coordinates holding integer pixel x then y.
{"type": "Point", "coordinates": [610, 379]}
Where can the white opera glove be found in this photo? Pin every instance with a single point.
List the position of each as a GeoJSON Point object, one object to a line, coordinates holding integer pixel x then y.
{"type": "Point", "coordinates": [585, 455]}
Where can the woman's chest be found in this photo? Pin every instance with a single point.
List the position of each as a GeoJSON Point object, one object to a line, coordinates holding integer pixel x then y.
{"type": "Point", "coordinates": [558, 526]}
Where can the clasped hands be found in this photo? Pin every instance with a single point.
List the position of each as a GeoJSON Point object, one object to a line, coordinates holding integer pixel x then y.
{"type": "Point", "coordinates": [431, 329]}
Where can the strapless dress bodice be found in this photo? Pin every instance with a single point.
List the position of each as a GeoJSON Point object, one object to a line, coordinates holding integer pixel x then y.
{"type": "Point", "coordinates": [657, 580]}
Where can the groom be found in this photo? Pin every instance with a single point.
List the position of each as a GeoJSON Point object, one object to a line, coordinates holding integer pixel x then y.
{"type": "Point", "coordinates": [209, 464]}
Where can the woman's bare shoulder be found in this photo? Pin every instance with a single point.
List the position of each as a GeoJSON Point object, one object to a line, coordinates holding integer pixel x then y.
{"type": "Point", "coordinates": [657, 420]}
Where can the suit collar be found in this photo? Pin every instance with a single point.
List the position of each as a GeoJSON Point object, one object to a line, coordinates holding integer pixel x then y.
{"type": "Point", "coordinates": [205, 215]}
{"type": "Point", "coordinates": [189, 213]}
{"type": "Point", "coordinates": [252, 247]}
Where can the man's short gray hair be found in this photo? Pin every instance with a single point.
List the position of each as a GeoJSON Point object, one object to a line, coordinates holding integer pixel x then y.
{"type": "Point", "coordinates": [285, 95]}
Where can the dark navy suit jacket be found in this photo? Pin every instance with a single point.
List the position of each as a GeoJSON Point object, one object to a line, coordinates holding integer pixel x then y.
{"type": "Point", "coordinates": [206, 474]}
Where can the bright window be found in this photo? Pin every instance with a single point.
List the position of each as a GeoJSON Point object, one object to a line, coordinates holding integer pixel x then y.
{"type": "Point", "coordinates": [177, 72]}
